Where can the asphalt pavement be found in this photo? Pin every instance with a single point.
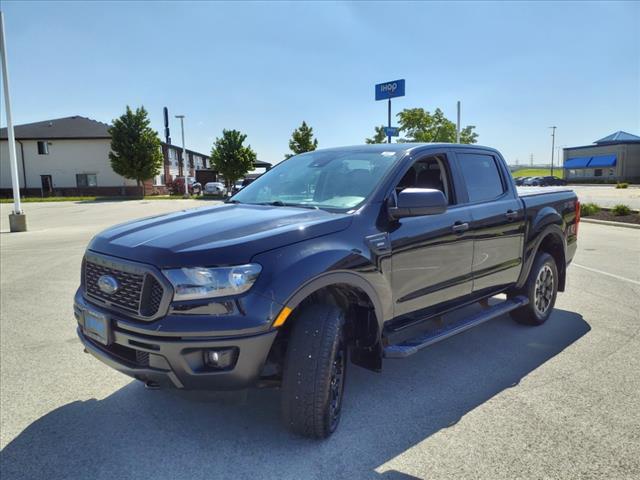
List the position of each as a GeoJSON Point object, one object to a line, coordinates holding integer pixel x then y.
{"type": "Point", "coordinates": [498, 401]}
{"type": "Point", "coordinates": [609, 196]}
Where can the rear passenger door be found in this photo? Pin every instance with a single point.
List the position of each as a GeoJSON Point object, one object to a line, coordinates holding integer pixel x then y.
{"type": "Point", "coordinates": [497, 219]}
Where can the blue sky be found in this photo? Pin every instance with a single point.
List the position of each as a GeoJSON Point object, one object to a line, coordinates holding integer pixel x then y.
{"type": "Point", "coordinates": [262, 68]}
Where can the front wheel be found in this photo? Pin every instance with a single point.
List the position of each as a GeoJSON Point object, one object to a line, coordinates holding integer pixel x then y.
{"type": "Point", "coordinates": [541, 289]}
{"type": "Point", "coordinates": [314, 372]}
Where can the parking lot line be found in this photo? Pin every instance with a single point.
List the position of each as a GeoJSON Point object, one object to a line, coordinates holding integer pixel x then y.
{"type": "Point", "coordinates": [595, 270]}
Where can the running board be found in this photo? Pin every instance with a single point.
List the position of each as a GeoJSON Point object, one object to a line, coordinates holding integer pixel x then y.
{"type": "Point", "coordinates": [409, 347]}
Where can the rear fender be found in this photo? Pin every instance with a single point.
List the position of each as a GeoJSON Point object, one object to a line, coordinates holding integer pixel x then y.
{"type": "Point", "coordinates": [532, 247]}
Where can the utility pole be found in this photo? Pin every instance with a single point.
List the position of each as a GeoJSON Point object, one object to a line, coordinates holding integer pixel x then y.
{"type": "Point", "coordinates": [185, 165]}
{"type": "Point", "coordinates": [458, 125]}
{"type": "Point", "coordinates": [17, 219]}
{"type": "Point", "coordinates": [531, 159]}
{"type": "Point", "coordinates": [553, 145]}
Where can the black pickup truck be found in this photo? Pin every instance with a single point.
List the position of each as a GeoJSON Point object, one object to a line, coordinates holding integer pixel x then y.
{"type": "Point", "coordinates": [356, 253]}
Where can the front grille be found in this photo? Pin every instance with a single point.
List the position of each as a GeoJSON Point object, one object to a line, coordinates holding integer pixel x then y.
{"type": "Point", "coordinates": [151, 296]}
{"type": "Point", "coordinates": [128, 294]}
{"type": "Point", "coordinates": [139, 291]}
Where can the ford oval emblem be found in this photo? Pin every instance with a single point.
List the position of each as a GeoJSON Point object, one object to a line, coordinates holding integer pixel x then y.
{"type": "Point", "coordinates": [107, 284]}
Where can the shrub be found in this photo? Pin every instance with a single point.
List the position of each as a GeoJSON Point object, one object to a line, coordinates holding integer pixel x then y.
{"type": "Point", "coordinates": [620, 210]}
{"type": "Point", "coordinates": [588, 209]}
{"type": "Point", "coordinates": [622, 185]}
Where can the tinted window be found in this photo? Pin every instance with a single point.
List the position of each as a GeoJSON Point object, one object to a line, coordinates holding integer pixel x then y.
{"type": "Point", "coordinates": [481, 176]}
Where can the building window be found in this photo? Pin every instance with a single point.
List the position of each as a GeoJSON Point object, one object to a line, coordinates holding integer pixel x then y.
{"type": "Point", "coordinates": [611, 172]}
{"type": "Point", "coordinates": [158, 180]}
{"type": "Point", "coordinates": [84, 180]}
{"type": "Point", "coordinates": [173, 157]}
{"type": "Point", "coordinates": [597, 172]}
{"type": "Point", "coordinates": [43, 147]}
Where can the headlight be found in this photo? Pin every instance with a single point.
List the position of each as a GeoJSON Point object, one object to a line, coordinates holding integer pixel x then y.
{"type": "Point", "coordinates": [200, 282]}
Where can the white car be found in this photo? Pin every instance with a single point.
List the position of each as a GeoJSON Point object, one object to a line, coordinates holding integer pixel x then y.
{"type": "Point", "coordinates": [215, 188]}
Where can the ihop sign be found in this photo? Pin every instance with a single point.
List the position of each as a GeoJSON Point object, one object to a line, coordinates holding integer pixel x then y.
{"type": "Point", "coordinates": [391, 89]}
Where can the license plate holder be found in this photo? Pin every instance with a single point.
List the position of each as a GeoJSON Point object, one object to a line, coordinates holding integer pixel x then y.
{"type": "Point", "coordinates": [97, 327]}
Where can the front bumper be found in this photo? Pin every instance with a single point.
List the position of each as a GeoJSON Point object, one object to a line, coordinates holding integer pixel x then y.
{"type": "Point", "coordinates": [180, 364]}
{"type": "Point", "coordinates": [176, 360]}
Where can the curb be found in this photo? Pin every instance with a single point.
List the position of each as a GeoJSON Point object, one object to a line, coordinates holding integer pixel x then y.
{"type": "Point", "coordinates": [611, 224]}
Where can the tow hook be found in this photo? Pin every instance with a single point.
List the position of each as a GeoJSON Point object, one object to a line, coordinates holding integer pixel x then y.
{"type": "Point", "coordinates": [150, 385]}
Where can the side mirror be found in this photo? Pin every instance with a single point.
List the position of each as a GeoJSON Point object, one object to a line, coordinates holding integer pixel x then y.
{"type": "Point", "coordinates": [415, 202]}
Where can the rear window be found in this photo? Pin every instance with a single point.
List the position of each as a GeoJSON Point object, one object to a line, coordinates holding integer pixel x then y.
{"type": "Point", "coordinates": [481, 176]}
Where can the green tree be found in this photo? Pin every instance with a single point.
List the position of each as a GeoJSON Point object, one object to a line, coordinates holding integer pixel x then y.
{"type": "Point", "coordinates": [378, 137]}
{"type": "Point", "coordinates": [135, 147]}
{"type": "Point", "coordinates": [230, 157]}
{"type": "Point", "coordinates": [418, 125]}
{"type": "Point", "coordinates": [302, 140]}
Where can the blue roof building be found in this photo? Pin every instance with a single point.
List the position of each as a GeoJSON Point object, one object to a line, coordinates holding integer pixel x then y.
{"type": "Point", "coordinates": [611, 159]}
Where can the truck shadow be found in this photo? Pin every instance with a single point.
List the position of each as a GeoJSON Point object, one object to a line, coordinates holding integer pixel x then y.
{"type": "Point", "coordinates": [135, 433]}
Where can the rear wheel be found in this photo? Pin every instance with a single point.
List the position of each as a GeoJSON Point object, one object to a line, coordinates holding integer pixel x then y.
{"type": "Point", "coordinates": [314, 372]}
{"type": "Point", "coordinates": [541, 289]}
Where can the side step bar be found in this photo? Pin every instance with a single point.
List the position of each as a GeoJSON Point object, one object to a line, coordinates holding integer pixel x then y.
{"type": "Point", "coordinates": [409, 347]}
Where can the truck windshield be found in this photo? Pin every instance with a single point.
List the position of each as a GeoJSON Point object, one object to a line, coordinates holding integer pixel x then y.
{"type": "Point", "coordinates": [330, 179]}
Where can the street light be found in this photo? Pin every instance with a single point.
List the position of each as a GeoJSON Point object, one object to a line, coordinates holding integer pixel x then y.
{"type": "Point", "coordinates": [558, 150]}
{"type": "Point", "coordinates": [553, 145]}
{"type": "Point", "coordinates": [17, 219]}
{"type": "Point", "coordinates": [185, 170]}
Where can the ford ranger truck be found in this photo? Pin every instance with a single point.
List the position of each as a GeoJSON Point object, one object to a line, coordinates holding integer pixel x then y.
{"type": "Point", "coordinates": [333, 257]}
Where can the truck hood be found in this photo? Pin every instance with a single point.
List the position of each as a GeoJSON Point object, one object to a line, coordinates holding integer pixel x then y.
{"type": "Point", "coordinates": [229, 234]}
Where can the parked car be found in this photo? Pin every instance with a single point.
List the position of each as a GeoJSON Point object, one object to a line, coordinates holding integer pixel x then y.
{"type": "Point", "coordinates": [195, 187]}
{"type": "Point", "coordinates": [215, 188]}
{"type": "Point", "coordinates": [237, 186]}
{"type": "Point", "coordinates": [551, 181]}
{"type": "Point", "coordinates": [531, 182]}
{"type": "Point", "coordinates": [359, 253]}
{"type": "Point", "coordinates": [520, 180]}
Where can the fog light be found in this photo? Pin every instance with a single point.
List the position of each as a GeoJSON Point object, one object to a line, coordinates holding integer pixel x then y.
{"type": "Point", "coordinates": [221, 358]}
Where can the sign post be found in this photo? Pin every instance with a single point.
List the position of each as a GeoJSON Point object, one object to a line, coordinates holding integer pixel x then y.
{"type": "Point", "coordinates": [387, 91]}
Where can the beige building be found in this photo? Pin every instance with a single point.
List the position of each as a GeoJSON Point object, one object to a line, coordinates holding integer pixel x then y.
{"type": "Point", "coordinates": [70, 156]}
{"type": "Point", "coordinates": [615, 158]}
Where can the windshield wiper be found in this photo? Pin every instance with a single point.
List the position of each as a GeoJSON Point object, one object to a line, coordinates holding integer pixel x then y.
{"type": "Point", "coordinates": [280, 203]}
{"type": "Point", "coordinates": [232, 201]}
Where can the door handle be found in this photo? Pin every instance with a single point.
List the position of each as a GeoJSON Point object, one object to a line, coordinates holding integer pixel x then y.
{"type": "Point", "coordinates": [460, 227]}
{"type": "Point", "coordinates": [511, 215]}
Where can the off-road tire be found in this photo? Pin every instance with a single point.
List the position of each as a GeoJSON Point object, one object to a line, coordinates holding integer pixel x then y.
{"type": "Point", "coordinates": [316, 350]}
{"type": "Point", "coordinates": [541, 289]}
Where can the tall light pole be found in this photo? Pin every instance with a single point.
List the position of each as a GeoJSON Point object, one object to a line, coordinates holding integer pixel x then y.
{"type": "Point", "coordinates": [458, 125]}
{"type": "Point", "coordinates": [17, 219]}
{"type": "Point", "coordinates": [185, 167]}
{"type": "Point", "coordinates": [553, 145]}
{"type": "Point", "coordinates": [558, 149]}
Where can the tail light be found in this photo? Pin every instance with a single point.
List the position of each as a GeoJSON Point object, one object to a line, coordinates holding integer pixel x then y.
{"type": "Point", "coordinates": [577, 216]}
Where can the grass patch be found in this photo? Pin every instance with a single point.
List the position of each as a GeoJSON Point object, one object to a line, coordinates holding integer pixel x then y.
{"type": "Point", "coordinates": [50, 199]}
{"type": "Point", "coordinates": [104, 199]}
{"type": "Point", "coordinates": [621, 210]}
{"type": "Point", "coordinates": [538, 172]}
{"type": "Point", "coordinates": [588, 209]}
{"type": "Point", "coordinates": [622, 185]}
